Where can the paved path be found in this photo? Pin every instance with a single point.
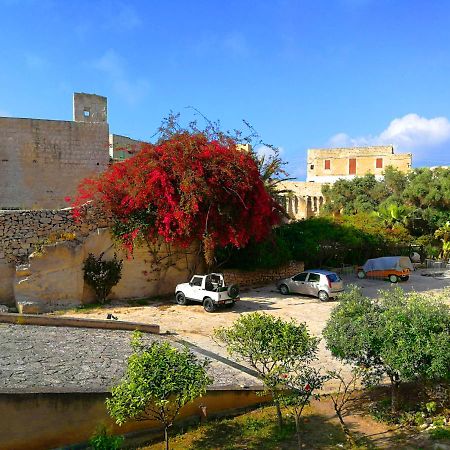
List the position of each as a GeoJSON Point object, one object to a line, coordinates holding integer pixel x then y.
{"type": "Point", "coordinates": [39, 359]}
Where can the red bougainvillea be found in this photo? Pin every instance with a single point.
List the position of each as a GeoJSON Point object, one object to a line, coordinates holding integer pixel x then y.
{"type": "Point", "coordinates": [183, 189]}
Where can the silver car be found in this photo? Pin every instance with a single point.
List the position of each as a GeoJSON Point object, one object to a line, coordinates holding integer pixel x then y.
{"type": "Point", "coordinates": [319, 283]}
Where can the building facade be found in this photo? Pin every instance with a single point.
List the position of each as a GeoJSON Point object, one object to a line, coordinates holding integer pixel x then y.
{"type": "Point", "coordinates": [325, 166]}
{"type": "Point", "coordinates": [329, 165]}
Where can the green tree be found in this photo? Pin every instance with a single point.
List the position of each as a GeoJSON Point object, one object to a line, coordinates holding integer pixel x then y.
{"type": "Point", "coordinates": [443, 233]}
{"type": "Point", "coordinates": [300, 385]}
{"type": "Point", "coordinates": [271, 346]}
{"type": "Point", "coordinates": [159, 381]}
{"type": "Point", "coordinates": [406, 337]}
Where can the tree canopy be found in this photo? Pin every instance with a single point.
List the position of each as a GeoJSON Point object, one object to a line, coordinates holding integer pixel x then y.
{"type": "Point", "coordinates": [186, 187]}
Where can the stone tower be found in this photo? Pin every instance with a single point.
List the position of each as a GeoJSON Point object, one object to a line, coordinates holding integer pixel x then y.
{"type": "Point", "coordinates": [89, 108]}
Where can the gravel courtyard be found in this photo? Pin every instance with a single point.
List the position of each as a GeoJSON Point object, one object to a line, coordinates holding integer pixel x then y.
{"type": "Point", "coordinates": [196, 326]}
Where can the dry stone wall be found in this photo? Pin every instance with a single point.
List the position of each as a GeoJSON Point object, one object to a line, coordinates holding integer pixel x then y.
{"type": "Point", "coordinates": [22, 232]}
{"type": "Point", "coordinates": [262, 277]}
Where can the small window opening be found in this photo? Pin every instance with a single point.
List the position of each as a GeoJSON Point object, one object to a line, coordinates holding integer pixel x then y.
{"type": "Point", "coordinates": [86, 113]}
{"type": "Point", "coordinates": [327, 164]}
{"type": "Point", "coordinates": [311, 166]}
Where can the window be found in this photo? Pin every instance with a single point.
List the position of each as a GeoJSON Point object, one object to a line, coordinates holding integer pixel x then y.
{"type": "Point", "coordinates": [300, 276]}
{"type": "Point", "coordinates": [86, 112]}
{"type": "Point", "coordinates": [314, 277]}
{"type": "Point", "coordinates": [311, 166]}
{"type": "Point", "coordinates": [352, 166]}
{"type": "Point", "coordinates": [379, 163]}
{"type": "Point", "coordinates": [327, 164]}
{"type": "Point", "coordinates": [197, 281]}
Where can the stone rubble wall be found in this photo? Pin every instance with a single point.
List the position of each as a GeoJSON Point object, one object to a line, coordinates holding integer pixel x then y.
{"type": "Point", "coordinates": [262, 277]}
{"type": "Point", "coordinates": [22, 232]}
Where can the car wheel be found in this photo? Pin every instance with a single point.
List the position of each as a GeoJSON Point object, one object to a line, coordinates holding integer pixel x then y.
{"type": "Point", "coordinates": [361, 274]}
{"type": "Point", "coordinates": [209, 305]}
{"type": "Point", "coordinates": [181, 299]}
{"type": "Point", "coordinates": [284, 289]}
{"type": "Point", "coordinates": [323, 296]}
{"type": "Point", "coordinates": [393, 278]}
{"type": "Point", "coordinates": [405, 278]}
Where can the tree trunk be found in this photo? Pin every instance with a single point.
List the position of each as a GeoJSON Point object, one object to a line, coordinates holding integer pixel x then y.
{"type": "Point", "coordinates": [297, 429]}
{"type": "Point", "coordinates": [279, 415]}
{"type": "Point", "coordinates": [395, 383]}
{"type": "Point", "coordinates": [166, 437]}
{"type": "Point", "coordinates": [345, 429]}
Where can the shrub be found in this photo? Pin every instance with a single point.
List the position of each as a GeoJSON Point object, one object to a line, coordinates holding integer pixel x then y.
{"type": "Point", "coordinates": [102, 440]}
{"type": "Point", "coordinates": [102, 275]}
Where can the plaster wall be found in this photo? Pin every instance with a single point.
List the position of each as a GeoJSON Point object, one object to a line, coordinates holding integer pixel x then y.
{"type": "Point", "coordinates": [39, 421]}
{"type": "Point", "coordinates": [43, 161]}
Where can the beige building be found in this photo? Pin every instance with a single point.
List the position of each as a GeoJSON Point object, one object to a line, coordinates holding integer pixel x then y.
{"type": "Point", "coordinates": [43, 161]}
{"type": "Point", "coordinates": [326, 166]}
{"type": "Point", "coordinates": [329, 165]}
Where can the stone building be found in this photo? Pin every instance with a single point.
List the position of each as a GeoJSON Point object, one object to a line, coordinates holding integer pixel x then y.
{"type": "Point", "coordinates": [43, 161]}
{"type": "Point", "coordinates": [329, 165]}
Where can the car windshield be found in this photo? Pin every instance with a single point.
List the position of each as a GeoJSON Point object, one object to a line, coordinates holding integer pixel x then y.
{"type": "Point", "coordinates": [333, 277]}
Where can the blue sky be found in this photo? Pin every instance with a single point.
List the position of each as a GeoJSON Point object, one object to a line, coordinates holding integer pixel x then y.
{"type": "Point", "coordinates": [304, 73]}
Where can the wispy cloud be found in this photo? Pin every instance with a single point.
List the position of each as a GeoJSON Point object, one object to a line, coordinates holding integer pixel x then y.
{"type": "Point", "coordinates": [34, 61]}
{"type": "Point", "coordinates": [231, 45]}
{"type": "Point", "coordinates": [122, 18]}
{"type": "Point", "coordinates": [4, 113]}
{"type": "Point", "coordinates": [236, 44]}
{"type": "Point", "coordinates": [410, 133]}
{"type": "Point", "coordinates": [114, 67]}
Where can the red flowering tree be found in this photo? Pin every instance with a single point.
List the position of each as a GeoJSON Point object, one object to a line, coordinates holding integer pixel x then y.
{"type": "Point", "coordinates": [187, 187]}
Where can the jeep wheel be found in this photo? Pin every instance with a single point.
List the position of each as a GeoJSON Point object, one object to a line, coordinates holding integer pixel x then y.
{"type": "Point", "coordinates": [180, 298]}
{"type": "Point", "coordinates": [209, 305]}
{"type": "Point", "coordinates": [323, 296]}
{"type": "Point", "coordinates": [284, 289]}
{"type": "Point", "coordinates": [233, 290]}
{"type": "Point", "coordinates": [393, 278]}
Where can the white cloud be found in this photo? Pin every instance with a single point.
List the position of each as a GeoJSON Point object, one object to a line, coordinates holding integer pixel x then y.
{"type": "Point", "coordinates": [267, 152]}
{"type": "Point", "coordinates": [410, 133]}
{"type": "Point", "coordinates": [113, 65]}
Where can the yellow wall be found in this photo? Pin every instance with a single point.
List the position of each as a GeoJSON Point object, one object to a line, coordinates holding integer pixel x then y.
{"type": "Point", "coordinates": [50, 420]}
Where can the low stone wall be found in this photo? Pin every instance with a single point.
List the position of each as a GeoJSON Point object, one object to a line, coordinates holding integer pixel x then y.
{"type": "Point", "coordinates": [21, 232]}
{"type": "Point", "coordinates": [261, 277]}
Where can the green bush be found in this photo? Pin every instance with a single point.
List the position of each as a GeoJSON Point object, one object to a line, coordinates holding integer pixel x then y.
{"type": "Point", "coordinates": [102, 275]}
{"type": "Point", "coordinates": [102, 440]}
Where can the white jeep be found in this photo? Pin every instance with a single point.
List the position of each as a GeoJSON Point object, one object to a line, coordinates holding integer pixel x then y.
{"type": "Point", "coordinates": [210, 290]}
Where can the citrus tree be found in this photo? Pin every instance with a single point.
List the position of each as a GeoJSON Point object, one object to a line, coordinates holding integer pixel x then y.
{"type": "Point", "coordinates": [271, 346]}
{"type": "Point", "coordinates": [159, 380]}
{"type": "Point", "coordinates": [406, 337]}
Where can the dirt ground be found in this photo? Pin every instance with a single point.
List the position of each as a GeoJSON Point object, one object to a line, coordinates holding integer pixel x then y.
{"type": "Point", "coordinates": [195, 325]}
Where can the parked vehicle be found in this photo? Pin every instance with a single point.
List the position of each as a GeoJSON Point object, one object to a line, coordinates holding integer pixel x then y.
{"type": "Point", "coordinates": [319, 283]}
{"type": "Point", "coordinates": [394, 268]}
{"type": "Point", "coordinates": [210, 290]}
